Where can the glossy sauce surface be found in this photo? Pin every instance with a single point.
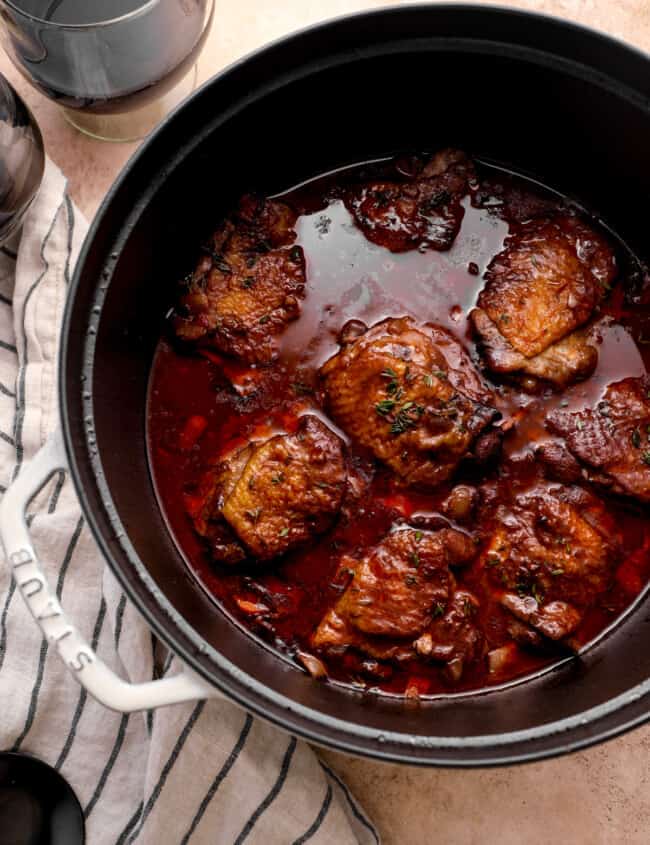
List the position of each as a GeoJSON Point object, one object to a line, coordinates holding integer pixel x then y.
{"type": "Point", "coordinates": [195, 415]}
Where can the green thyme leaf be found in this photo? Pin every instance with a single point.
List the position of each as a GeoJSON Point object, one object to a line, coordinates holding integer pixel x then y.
{"type": "Point", "coordinates": [406, 417]}
{"type": "Point", "coordinates": [384, 407]}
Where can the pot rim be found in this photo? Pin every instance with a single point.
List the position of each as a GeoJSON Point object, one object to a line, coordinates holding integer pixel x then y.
{"type": "Point", "coordinates": [490, 749]}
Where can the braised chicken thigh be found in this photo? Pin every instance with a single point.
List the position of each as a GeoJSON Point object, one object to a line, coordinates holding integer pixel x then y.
{"type": "Point", "coordinates": [248, 286]}
{"type": "Point", "coordinates": [422, 212]}
{"type": "Point", "coordinates": [611, 441]}
{"type": "Point", "coordinates": [402, 600]}
{"type": "Point", "coordinates": [274, 494]}
{"type": "Point", "coordinates": [539, 293]}
{"type": "Point", "coordinates": [549, 562]}
{"type": "Point", "coordinates": [411, 395]}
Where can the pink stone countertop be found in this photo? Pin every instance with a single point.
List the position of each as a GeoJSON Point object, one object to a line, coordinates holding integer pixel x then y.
{"type": "Point", "coordinates": [600, 796]}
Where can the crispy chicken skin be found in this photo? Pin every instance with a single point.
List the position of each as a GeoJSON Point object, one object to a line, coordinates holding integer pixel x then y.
{"type": "Point", "coordinates": [570, 359]}
{"type": "Point", "coordinates": [409, 394]}
{"type": "Point", "coordinates": [423, 212]}
{"type": "Point", "coordinates": [611, 441]}
{"type": "Point", "coordinates": [204, 509]}
{"type": "Point", "coordinates": [548, 562]}
{"type": "Point", "coordinates": [275, 494]}
{"type": "Point", "coordinates": [248, 286]}
{"type": "Point", "coordinates": [401, 601]}
{"type": "Point", "coordinates": [539, 291]}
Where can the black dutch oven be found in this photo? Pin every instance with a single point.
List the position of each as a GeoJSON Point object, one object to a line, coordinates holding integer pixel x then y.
{"type": "Point", "coordinates": [548, 98]}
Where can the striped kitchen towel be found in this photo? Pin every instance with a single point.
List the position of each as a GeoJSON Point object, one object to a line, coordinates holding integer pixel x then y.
{"type": "Point", "coordinates": [204, 772]}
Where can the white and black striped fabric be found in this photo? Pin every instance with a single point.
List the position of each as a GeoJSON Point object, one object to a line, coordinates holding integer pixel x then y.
{"type": "Point", "coordinates": [196, 773]}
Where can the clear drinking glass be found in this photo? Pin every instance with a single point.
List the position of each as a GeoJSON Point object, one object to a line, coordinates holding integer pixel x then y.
{"type": "Point", "coordinates": [115, 66]}
{"type": "Point", "coordinates": [21, 160]}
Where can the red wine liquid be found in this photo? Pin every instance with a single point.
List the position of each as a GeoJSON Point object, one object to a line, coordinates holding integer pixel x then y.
{"type": "Point", "coordinates": [122, 63]}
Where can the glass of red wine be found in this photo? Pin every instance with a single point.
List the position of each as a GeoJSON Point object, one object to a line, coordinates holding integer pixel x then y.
{"type": "Point", "coordinates": [115, 66]}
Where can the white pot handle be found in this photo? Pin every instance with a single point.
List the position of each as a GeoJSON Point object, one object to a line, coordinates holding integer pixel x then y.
{"type": "Point", "coordinates": [100, 681]}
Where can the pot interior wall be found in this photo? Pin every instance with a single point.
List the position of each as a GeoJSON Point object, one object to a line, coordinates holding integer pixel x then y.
{"type": "Point", "coordinates": [286, 116]}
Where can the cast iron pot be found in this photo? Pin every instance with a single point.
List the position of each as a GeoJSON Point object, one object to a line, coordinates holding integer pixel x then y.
{"type": "Point", "coordinates": [552, 100]}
